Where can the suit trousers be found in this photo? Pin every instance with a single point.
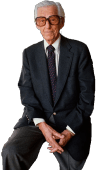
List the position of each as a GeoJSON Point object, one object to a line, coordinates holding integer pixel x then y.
{"type": "Point", "coordinates": [22, 148]}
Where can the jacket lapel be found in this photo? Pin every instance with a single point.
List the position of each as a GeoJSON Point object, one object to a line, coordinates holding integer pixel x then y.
{"type": "Point", "coordinates": [65, 61]}
{"type": "Point", "coordinates": [43, 69]}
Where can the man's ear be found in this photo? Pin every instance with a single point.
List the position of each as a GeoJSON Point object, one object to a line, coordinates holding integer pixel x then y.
{"type": "Point", "coordinates": [61, 22]}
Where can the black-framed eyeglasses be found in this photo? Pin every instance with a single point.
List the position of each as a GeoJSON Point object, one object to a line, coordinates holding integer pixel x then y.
{"type": "Point", "coordinates": [53, 20]}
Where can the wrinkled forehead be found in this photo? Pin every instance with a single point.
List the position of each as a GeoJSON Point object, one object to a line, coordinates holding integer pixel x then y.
{"type": "Point", "coordinates": [47, 11]}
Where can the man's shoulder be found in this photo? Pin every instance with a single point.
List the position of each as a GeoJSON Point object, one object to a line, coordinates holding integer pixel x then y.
{"type": "Point", "coordinates": [34, 46]}
{"type": "Point", "coordinates": [77, 44]}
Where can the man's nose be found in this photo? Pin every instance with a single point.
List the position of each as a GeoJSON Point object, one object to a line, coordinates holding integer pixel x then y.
{"type": "Point", "coordinates": [48, 25]}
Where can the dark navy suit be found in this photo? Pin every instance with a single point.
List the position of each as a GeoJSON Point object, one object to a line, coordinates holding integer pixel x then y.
{"type": "Point", "coordinates": [74, 101]}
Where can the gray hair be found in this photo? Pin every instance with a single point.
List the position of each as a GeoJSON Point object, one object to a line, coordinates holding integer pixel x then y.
{"type": "Point", "coordinates": [61, 12]}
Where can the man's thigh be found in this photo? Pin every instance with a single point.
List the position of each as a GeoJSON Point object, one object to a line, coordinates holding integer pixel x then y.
{"type": "Point", "coordinates": [25, 142]}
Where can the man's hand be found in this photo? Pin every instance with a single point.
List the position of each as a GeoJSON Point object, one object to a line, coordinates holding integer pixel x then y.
{"type": "Point", "coordinates": [63, 141]}
{"type": "Point", "coordinates": [50, 134]}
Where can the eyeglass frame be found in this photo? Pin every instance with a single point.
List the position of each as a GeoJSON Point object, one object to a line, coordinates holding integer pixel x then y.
{"type": "Point", "coordinates": [48, 20]}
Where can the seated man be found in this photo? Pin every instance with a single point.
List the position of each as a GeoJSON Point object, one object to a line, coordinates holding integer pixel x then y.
{"type": "Point", "coordinates": [57, 88]}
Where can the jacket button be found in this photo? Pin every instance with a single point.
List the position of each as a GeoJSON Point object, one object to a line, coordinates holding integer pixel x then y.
{"type": "Point", "coordinates": [27, 116]}
{"type": "Point", "coordinates": [54, 113]}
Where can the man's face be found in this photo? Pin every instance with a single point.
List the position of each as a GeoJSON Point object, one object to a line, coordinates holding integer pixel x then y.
{"type": "Point", "coordinates": [49, 32]}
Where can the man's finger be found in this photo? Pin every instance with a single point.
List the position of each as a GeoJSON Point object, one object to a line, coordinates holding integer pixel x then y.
{"type": "Point", "coordinates": [56, 146]}
{"type": "Point", "coordinates": [62, 142]}
{"type": "Point", "coordinates": [56, 151]}
{"type": "Point", "coordinates": [52, 150]}
{"type": "Point", "coordinates": [57, 135]}
{"type": "Point", "coordinates": [49, 144]}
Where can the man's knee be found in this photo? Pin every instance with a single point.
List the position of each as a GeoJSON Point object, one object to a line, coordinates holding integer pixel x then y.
{"type": "Point", "coordinates": [9, 150]}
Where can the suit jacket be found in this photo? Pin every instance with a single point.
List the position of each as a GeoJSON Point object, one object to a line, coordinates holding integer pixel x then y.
{"type": "Point", "coordinates": [74, 101]}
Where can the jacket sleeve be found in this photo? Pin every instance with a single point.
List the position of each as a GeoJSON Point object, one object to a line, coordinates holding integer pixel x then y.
{"type": "Point", "coordinates": [33, 108]}
{"type": "Point", "coordinates": [81, 113]}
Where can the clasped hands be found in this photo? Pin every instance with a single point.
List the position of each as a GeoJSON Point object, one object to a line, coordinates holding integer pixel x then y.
{"type": "Point", "coordinates": [52, 136]}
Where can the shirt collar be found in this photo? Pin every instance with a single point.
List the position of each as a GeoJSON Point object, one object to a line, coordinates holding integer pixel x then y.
{"type": "Point", "coordinates": [56, 44]}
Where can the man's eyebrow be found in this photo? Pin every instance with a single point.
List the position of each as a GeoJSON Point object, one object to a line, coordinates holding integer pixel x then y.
{"type": "Point", "coordinates": [41, 17]}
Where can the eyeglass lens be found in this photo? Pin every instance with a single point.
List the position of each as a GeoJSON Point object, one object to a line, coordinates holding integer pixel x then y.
{"type": "Point", "coordinates": [41, 21]}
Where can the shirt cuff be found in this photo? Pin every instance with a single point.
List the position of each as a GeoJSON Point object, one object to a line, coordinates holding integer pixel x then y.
{"type": "Point", "coordinates": [68, 128]}
{"type": "Point", "coordinates": [38, 120]}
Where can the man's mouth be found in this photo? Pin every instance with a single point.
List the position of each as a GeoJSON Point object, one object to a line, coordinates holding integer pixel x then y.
{"type": "Point", "coordinates": [48, 32]}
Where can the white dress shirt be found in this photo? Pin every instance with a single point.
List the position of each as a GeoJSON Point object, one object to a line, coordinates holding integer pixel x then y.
{"type": "Point", "coordinates": [56, 45]}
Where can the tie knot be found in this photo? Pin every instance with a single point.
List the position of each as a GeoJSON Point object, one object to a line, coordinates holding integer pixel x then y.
{"type": "Point", "coordinates": [50, 48]}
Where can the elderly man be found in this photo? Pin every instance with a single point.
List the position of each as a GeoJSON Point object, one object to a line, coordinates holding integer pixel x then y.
{"type": "Point", "coordinates": [57, 89]}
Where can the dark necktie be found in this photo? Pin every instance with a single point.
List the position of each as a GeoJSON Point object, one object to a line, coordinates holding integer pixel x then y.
{"type": "Point", "coordinates": [52, 69]}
